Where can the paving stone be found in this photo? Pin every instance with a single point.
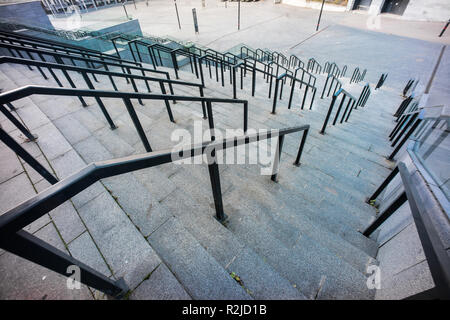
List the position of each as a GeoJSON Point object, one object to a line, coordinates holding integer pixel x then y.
{"type": "Point", "coordinates": [92, 150]}
{"type": "Point", "coordinates": [34, 175]}
{"type": "Point", "coordinates": [124, 248]}
{"type": "Point", "coordinates": [71, 128]}
{"type": "Point", "coordinates": [9, 164]}
{"type": "Point", "coordinates": [84, 250]}
{"type": "Point", "coordinates": [199, 273]}
{"type": "Point", "coordinates": [67, 221]}
{"type": "Point", "coordinates": [15, 191]}
{"type": "Point", "coordinates": [262, 281]}
{"type": "Point", "coordinates": [51, 141]}
{"type": "Point", "coordinates": [162, 285]}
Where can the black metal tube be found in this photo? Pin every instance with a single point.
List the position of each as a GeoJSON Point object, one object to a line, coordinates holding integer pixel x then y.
{"type": "Point", "coordinates": [31, 248]}
{"type": "Point", "coordinates": [137, 124]}
{"type": "Point", "coordinates": [330, 109]}
{"type": "Point", "coordinates": [28, 158]}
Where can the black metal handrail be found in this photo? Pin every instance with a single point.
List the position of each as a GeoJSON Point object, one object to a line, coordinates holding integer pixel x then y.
{"type": "Point", "coordinates": [381, 80]}
{"type": "Point", "coordinates": [435, 252]}
{"type": "Point", "coordinates": [282, 78]}
{"type": "Point", "coordinates": [410, 85]}
{"type": "Point", "coordinates": [90, 63]}
{"type": "Point", "coordinates": [295, 62]}
{"type": "Point", "coordinates": [313, 66]}
{"type": "Point", "coordinates": [334, 80]}
{"type": "Point", "coordinates": [357, 75]}
{"type": "Point", "coordinates": [25, 245]}
{"type": "Point", "coordinates": [364, 96]}
{"type": "Point", "coordinates": [54, 43]}
{"type": "Point", "coordinates": [13, 95]}
{"type": "Point", "coordinates": [350, 106]}
{"type": "Point", "coordinates": [36, 43]}
{"type": "Point", "coordinates": [407, 121]}
{"type": "Point", "coordinates": [403, 106]}
{"type": "Point", "coordinates": [84, 71]}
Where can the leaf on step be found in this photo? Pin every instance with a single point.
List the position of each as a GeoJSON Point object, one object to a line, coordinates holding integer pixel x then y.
{"type": "Point", "coordinates": [237, 278]}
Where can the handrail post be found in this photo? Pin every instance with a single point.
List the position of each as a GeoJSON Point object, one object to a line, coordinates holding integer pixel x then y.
{"type": "Point", "coordinates": [253, 81]}
{"type": "Point", "coordinates": [414, 126]}
{"type": "Point", "coordinates": [333, 100]}
{"type": "Point", "coordinates": [213, 169]}
{"type": "Point", "coordinates": [277, 158]}
{"type": "Point", "coordinates": [383, 185]}
{"type": "Point", "coordinates": [275, 95]}
{"type": "Point", "coordinates": [339, 109]}
{"type": "Point", "coordinates": [397, 203]}
{"type": "Point", "coordinates": [28, 158]}
{"type": "Point", "coordinates": [166, 102]}
{"type": "Point", "coordinates": [291, 95]}
{"type": "Point", "coordinates": [137, 124]}
{"type": "Point", "coordinates": [300, 149]}
{"type": "Point", "coordinates": [174, 63]}
{"type": "Point", "coordinates": [99, 101]}
{"type": "Point", "coordinates": [30, 247]}
{"type": "Point", "coordinates": [17, 123]}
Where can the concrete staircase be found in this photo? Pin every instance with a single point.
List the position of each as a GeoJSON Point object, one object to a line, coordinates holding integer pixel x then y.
{"type": "Point", "coordinates": [295, 239]}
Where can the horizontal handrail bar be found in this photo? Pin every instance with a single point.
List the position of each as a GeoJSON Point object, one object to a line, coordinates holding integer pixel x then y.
{"type": "Point", "coordinates": [68, 56]}
{"type": "Point", "coordinates": [7, 59]}
{"type": "Point", "coordinates": [25, 91]}
{"type": "Point", "coordinates": [30, 210]}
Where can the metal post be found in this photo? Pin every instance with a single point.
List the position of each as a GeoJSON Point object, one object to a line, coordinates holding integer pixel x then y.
{"type": "Point", "coordinates": [445, 28]}
{"type": "Point", "coordinates": [126, 13]}
{"type": "Point", "coordinates": [29, 247]}
{"type": "Point", "coordinates": [178, 17]}
{"type": "Point", "coordinates": [21, 152]}
{"type": "Point", "coordinates": [383, 185]}
{"type": "Point", "coordinates": [333, 100]}
{"type": "Point", "coordinates": [239, 15]}
{"type": "Point", "coordinates": [320, 15]}
{"type": "Point", "coordinates": [277, 158]}
{"type": "Point", "coordinates": [300, 149]}
{"type": "Point", "coordinates": [213, 169]}
{"type": "Point", "coordinates": [137, 124]}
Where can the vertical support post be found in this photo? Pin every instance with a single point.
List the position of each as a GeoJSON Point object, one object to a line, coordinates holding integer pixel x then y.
{"type": "Point", "coordinates": [137, 124]}
{"type": "Point", "coordinates": [28, 158]}
{"type": "Point", "coordinates": [414, 126]}
{"type": "Point", "coordinates": [29, 247]}
{"type": "Point", "coordinates": [275, 96]}
{"type": "Point", "coordinates": [277, 159]}
{"type": "Point", "coordinates": [333, 100]}
{"type": "Point", "coordinates": [213, 169]}
{"type": "Point", "coordinates": [320, 15]}
{"type": "Point", "coordinates": [99, 101]}
{"type": "Point", "coordinates": [300, 149]}
{"type": "Point", "coordinates": [178, 17]}
{"type": "Point", "coordinates": [169, 110]}
{"type": "Point", "coordinates": [239, 14]}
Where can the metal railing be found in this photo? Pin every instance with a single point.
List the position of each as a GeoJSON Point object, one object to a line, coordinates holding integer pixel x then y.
{"type": "Point", "coordinates": [357, 75]}
{"type": "Point", "coordinates": [406, 125]}
{"type": "Point", "coordinates": [88, 62]}
{"type": "Point", "coordinates": [381, 80]}
{"type": "Point", "coordinates": [282, 78]}
{"type": "Point", "coordinates": [13, 95]}
{"type": "Point", "coordinates": [350, 106]}
{"type": "Point", "coordinates": [435, 252]}
{"type": "Point", "coordinates": [410, 86]}
{"type": "Point", "coordinates": [27, 246]}
{"type": "Point", "coordinates": [334, 81]}
{"type": "Point", "coordinates": [364, 96]}
{"type": "Point", "coordinates": [313, 66]}
{"type": "Point", "coordinates": [84, 72]}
